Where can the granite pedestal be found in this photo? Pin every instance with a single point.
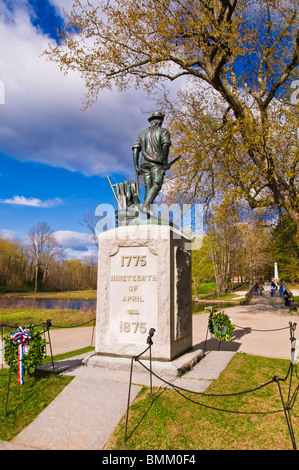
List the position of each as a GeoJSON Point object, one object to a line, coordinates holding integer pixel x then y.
{"type": "Point", "coordinates": [144, 281]}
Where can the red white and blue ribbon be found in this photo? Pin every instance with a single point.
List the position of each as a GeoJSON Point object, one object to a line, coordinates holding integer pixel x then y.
{"type": "Point", "coordinates": [21, 337]}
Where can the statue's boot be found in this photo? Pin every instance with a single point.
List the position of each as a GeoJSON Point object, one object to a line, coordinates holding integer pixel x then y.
{"type": "Point", "coordinates": [149, 199]}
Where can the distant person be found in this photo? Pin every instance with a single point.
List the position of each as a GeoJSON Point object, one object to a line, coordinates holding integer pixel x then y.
{"type": "Point", "coordinates": [261, 289]}
{"type": "Point", "coordinates": [281, 290]}
{"type": "Point", "coordinates": [286, 296]}
{"type": "Point", "coordinates": [272, 289]}
{"type": "Point", "coordinates": [256, 286]}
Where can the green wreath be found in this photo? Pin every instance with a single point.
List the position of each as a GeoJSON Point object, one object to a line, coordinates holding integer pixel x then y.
{"type": "Point", "coordinates": [34, 356]}
{"type": "Point", "coordinates": [221, 326]}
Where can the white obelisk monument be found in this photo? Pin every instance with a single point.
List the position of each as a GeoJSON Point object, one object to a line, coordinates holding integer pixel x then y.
{"type": "Point", "coordinates": [276, 278]}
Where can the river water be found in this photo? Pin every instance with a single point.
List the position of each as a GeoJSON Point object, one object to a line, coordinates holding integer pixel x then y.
{"type": "Point", "coordinates": [60, 304]}
{"type": "Point", "coordinates": [12, 302]}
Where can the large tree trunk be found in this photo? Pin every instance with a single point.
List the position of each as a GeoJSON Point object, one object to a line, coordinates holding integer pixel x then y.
{"type": "Point", "coordinates": [284, 193]}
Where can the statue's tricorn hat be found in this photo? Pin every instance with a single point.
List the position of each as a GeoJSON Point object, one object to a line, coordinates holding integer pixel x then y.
{"type": "Point", "coordinates": [156, 115]}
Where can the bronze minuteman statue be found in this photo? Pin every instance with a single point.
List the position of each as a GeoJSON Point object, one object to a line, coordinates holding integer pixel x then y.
{"type": "Point", "coordinates": [154, 143]}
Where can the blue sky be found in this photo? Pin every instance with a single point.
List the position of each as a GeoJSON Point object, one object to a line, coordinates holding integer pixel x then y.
{"type": "Point", "coordinates": [55, 158]}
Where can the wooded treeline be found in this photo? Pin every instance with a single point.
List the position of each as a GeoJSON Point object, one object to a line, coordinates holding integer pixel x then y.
{"type": "Point", "coordinates": [233, 251]}
{"type": "Point", "coordinates": [38, 264]}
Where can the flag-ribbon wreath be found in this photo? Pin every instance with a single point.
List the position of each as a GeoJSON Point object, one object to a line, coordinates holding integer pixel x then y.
{"type": "Point", "coordinates": [21, 337]}
{"type": "Point", "coordinates": [221, 326]}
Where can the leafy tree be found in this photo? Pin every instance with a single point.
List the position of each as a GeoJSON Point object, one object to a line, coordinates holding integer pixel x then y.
{"type": "Point", "coordinates": [222, 241]}
{"type": "Point", "coordinates": [256, 257]}
{"type": "Point", "coordinates": [38, 262]}
{"type": "Point", "coordinates": [285, 246]}
{"type": "Point", "coordinates": [237, 248]}
{"type": "Point", "coordinates": [202, 269]}
{"type": "Point", "coordinates": [244, 139]}
{"type": "Point", "coordinates": [90, 221]}
{"type": "Point", "coordinates": [44, 249]}
{"type": "Point", "coordinates": [13, 263]}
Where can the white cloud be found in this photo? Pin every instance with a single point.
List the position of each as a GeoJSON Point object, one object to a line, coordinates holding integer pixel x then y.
{"type": "Point", "coordinates": [61, 6]}
{"type": "Point", "coordinates": [80, 254]}
{"type": "Point", "coordinates": [31, 201]}
{"type": "Point", "coordinates": [42, 120]}
{"type": "Point", "coordinates": [74, 239]}
{"type": "Point", "coordinates": [76, 244]}
{"type": "Point", "coordinates": [9, 235]}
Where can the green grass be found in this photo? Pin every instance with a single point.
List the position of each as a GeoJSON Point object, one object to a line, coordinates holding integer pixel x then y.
{"type": "Point", "coordinates": [217, 305]}
{"type": "Point", "coordinates": [67, 295]}
{"type": "Point", "coordinates": [207, 289]}
{"type": "Point", "coordinates": [59, 317]}
{"type": "Point", "coordinates": [170, 421]}
{"type": "Point", "coordinates": [66, 355]}
{"type": "Point", "coordinates": [207, 296]}
{"type": "Point", "coordinates": [26, 402]}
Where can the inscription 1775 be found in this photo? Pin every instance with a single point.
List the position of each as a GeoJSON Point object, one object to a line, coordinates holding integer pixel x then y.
{"type": "Point", "coordinates": [131, 260]}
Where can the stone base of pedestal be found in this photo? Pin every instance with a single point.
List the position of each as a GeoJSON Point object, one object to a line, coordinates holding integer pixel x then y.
{"type": "Point", "coordinates": [175, 368]}
{"type": "Point", "coordinates": [144, 282]}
